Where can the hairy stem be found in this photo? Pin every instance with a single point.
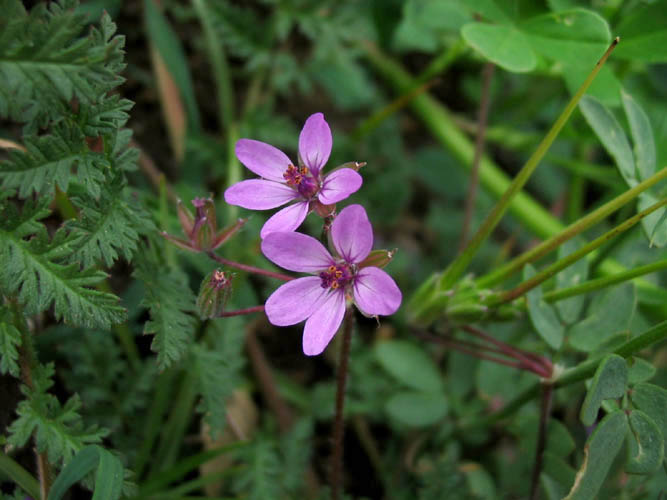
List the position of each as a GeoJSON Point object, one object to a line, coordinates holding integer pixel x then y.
{"type": "Point", "coordinates": [247, 268]}
{"type": "Point", "coordinates": [557, 266]}
{"type": "Point", "coordinates": [338, 433]}
{"type": "Point", "coordinates": [471, 197]}
{"type": "Point", "coordinates": [545, 411]}
{"type": "Point", "coordinates": [240, 312]}
{"type": "Point", "coordinates": [569, 232]}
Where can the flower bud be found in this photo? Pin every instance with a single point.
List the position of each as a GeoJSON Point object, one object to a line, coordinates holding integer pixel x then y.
{"type": "Point", "coordinates": [378, 258]}
{"type": "Point", "coordinates": [214, 293]}
{"type": "Point", "coordinates": [186, 219]}
{"type": "Point", "coordinates": [321, 209]}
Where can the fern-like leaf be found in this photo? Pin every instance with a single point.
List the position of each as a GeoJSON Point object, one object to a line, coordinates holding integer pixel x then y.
{"type": "Point", "coordinates": [58, 429]}
{"type": "Point", "coordinates": [169, 299]}
{"type": "Point", "coordinates": [51, 161]}
{"type": "Point", "coordinates": [260, 479]}
{"type": "Point", "coordinates": [10, 341]}
{"type": "Point", "coordinates": [32, 270]}
{"type": "Point", "coordinates": [45, 60]}
{"type": "Point", "coordinates": [109, 227]}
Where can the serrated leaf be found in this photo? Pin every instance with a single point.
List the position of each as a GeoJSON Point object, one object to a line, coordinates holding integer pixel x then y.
{"type": "Point", "coordinates": [570, 309]}
{"type": "Point", "coordinates": [643, 33]}
{"type": "Point", "coordinates": [610, 381]}
{"type": "Point", "coordinates": [611, 135]}
{"type": "Point", "coordinates": [47, 59]}
{"type": "Point", "coordinates": [503, 45]}
{"type": "Point", "coordinates": [32, 271]}
{"type": "Point", "coordinates": [640, 370]}
{"type": "Point", "coordinates": [108, 227]}
{"type": "Point", "coordinates": [542, 315]}
{"type": "Point", "coordinates": [609, 314]}
{"type": "Point", "coordinates": [10, 341]}
{"type": "Point", "coordinates": [599, 453]}
{"type": "Point", "coordinates": [646, 449]}
{"type": "Point", "coordinates": [409, 364]}
{"type": "Point", "coordinates": [169, 299]}
{"type": "Point", "coordinates": [54, 160]}
{"type": "Point", "coordinates": [417, 409]}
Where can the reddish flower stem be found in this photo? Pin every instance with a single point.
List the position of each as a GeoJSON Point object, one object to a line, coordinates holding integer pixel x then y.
{"type": "Point", "coordinates": [339, 427]}
{"type": "Point", "coordinates": [239, 312]}
{"type": "Point", "coordinates": [247, 268]}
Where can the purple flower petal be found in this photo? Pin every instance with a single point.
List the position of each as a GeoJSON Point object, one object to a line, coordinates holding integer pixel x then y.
{"type": "Point", "coordinates": [323, 324]}
{"type": "Point", "coordinates": [338, 185]}
{"type": "Point", "coordinates": [295, 301]}
{"type": "Point", "coordinates": [315, 143]}
{"type": "Point", "coordinates": [352, 234]}
{"type": "Point", "coordinates": [258, 194]}
{"type": "Point", "coordinates": [375, 292]}
{"type": "Point", "coordinates": [287, 219]}
{"type": "Point", "coordinates": [263, 159]}
{"type": "Point", "coordinates": [296, 252]}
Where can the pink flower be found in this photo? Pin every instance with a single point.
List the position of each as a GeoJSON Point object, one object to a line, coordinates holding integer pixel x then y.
{"type": "Point", "coordinates": [321, 299]}
{"type": "Point", "coordinates": [282, 182]}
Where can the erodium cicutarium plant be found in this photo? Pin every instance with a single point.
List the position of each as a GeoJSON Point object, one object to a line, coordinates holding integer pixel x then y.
{"type": "Point", "coordinates": [321, 299]}
{"type": "Point", "coordinates": [303, 185]}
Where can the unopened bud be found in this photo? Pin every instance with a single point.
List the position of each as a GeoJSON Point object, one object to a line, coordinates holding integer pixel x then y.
{"type": "Point", "coordinates": [378, 258]}
{"type": "Point", "coordinates": [227, 233]}
{"type": "Point", "coordinates": [214, 293]}
{"type": "Point", "coordinates": [186, 219]}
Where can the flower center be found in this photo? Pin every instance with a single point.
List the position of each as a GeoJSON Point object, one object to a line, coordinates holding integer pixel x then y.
{"type": "Point", "coordinates": [336, 276]}
{"type": "Point", "coordinates": [302, 180]}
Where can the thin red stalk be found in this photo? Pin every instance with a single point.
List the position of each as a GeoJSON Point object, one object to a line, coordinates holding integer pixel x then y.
{"type": "Point", "coordinates": [545, 411]}
{"type": "Point", "coordinates": [339, 427]}
{"type": "Point", "coordinates": [473, 345]}
{"type": "Point", "coordinates": [239, 312]}
{"type": "Point", "coordinates": [471, 197]}
{"type": "Point", "coordinates": [247, 268]}
{"type": "Point", "coordinates": [544, 365]}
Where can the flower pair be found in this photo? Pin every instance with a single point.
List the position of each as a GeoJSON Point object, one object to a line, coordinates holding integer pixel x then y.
{"type": "Point", "coordinates": [283, 182]}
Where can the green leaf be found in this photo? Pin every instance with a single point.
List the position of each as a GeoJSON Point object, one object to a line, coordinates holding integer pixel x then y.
{"type": "Point", "coordinates": [652, 400]}
{"type": "Point", "coordinates": [501, 11]}
{"type": "Point", "coordinates": [58, 430]}
{"type": "Point", "coordinates": [10, 341]}
{"type": "Point", "coordinates": [169, 299]}
{"type": "Point", "coordinates": [560, 472]}
{"type": "Point", "coordinates": [417, 409]}
{"type": "Point", "coordinates": [611, 135]}
{"type": "Point", "coordinates": [170, 48]}
{"type": "Point", "coordinates": [609, 314]}
{"type": "Point", "coordinates": [570, 309]}
{"type": "Point", "coordinates": [32, 271]}
{"type": "Point", "coordinates": [109, 226]}
{"type": "Point", "coordinates": [410, 365]}
{"type": "Point", "coordinates": [640, 370]}
{"type": "Point", "coordinates": [610, 381]}
{"type": "Point", "coordinates": [643, 33]}
{"type": "Point", "coordinates": [642, 137]}
{"type": "Point", "coordinates": [503, 45]}
{"type": "Point", "coordinates": [646, 449]}
{"type": "Point", "coordinates": [45, 61]}
{"type": "Point", "coordinates": [599, 453]}
{"type": "Point", "coordinates": [108, 478]}
{"type": "Point", "coordinates": [260, 478]}
{"type": "Point", "coordinates": [54, 160]}
{"type": "Point", "coordinates": [559, 441]}
{"type": "Point", "coordinates": [655, 224]}
{"type": "Point", "coordinates": [542, 315]}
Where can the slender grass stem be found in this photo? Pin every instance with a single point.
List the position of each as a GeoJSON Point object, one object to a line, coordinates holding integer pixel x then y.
{"type": "Point", "coordinates": [460, 264]}
{"type": "Point", "coordinates": [557, 266]}
{"type": "Point", "coordinates": [569, 232]}
{"type": "Point", "coordinates": [338, 433]}
{"type": "Point", "coordinates": [18, 474]}
{"type": "Point", "coordinates": [597, 284]}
